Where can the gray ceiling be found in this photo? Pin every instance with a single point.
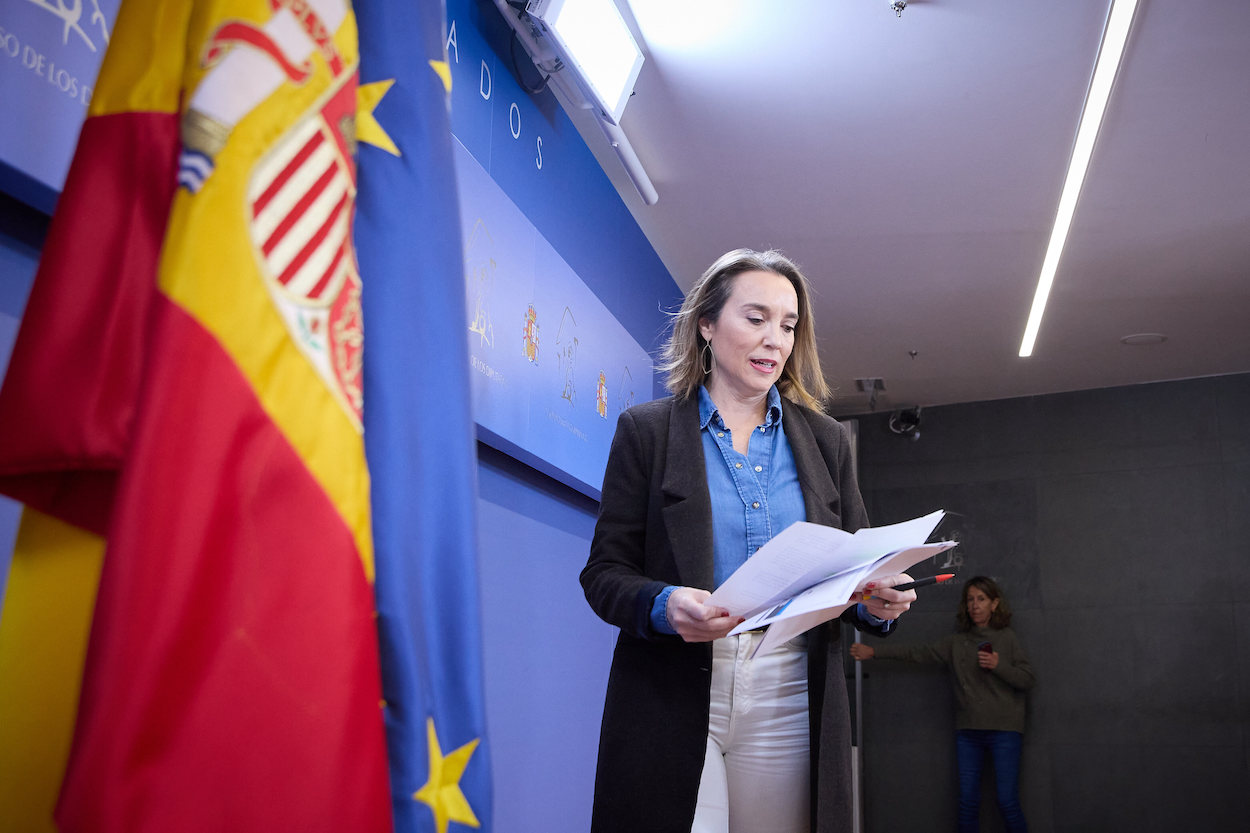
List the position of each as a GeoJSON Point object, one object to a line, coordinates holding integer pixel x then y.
{"type": "Point", "coordinates": [912, 166]}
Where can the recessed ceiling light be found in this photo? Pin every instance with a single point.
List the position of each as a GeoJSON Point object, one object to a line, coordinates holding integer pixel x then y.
{"type": "Point", "coordinates": [1144, 338]}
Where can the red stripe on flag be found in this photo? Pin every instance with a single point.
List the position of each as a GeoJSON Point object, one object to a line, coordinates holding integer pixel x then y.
{"type": "Point", "coordinates": [68, 398]}
{"type": "Point", "coordinates": [232, 681]}
{"type": "Point", "coordinates": [288, 171]}
{"type": "Point", "coordinates": [297, 211]}
{"type": "Point", "coordinates": [326, 276]}
{"type": "Point", "coordinates": [312, 244]}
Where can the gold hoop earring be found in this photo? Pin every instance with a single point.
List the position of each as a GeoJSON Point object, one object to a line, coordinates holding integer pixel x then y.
{"type": "Point", "coordinates": [706, 358]}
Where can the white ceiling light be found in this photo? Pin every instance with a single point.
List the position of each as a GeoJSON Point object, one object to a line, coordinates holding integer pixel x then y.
{"type": "Point", "coordinates": [592, 38]}
{"type": "Point", "coordinates": [1114, 37]}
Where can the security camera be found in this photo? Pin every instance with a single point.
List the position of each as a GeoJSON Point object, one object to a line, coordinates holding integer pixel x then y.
{"type": "Point", "coordinates": [898, 6]}
{"type": "Point", "coordinates": [906, 423]}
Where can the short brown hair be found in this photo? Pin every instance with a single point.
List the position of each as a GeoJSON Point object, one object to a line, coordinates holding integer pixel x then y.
{"type": "Point", "coordinates": [801, 379]}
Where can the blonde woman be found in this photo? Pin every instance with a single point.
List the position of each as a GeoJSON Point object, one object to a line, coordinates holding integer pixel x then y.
{"type": "Point", "coordinates": [699, 733]}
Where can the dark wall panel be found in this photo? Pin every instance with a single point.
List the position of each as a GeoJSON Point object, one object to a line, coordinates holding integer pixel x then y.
{"type": "Point", "coordinates": [995, 523]}
{"type": "Point", "coordinates": [1121, 538]}
{"type": "Point", "coordinates": [1118, 523]}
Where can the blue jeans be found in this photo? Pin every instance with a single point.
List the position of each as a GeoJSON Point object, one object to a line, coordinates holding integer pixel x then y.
{"type": "Point", "coordinates": [970, 747]}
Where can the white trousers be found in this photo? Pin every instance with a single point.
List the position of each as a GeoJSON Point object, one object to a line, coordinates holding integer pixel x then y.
{"type": "Point", "coordinates": [756, 777]}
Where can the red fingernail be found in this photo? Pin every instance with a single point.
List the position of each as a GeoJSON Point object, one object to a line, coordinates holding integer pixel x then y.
{"type": "Point", "coordinates": [872, 585]}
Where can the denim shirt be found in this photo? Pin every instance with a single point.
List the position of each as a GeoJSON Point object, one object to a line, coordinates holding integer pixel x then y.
{"type": "Point", "coordinates": [754, 496]}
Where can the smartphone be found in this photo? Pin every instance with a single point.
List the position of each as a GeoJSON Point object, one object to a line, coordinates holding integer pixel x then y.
{"type": "Point", "coordinates": [986, 648]}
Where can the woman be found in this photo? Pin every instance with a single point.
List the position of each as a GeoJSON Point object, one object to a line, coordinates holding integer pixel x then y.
{"type": "Point", "coordinates": [697, 734]}
{"type": "Point", "coordinates": [990, 674]}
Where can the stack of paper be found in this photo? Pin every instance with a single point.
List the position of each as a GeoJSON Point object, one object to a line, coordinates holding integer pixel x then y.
{"type": "Point", "coordinates": [808, 573]}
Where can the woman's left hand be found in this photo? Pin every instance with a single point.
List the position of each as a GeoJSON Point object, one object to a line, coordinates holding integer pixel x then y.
{"type": "Point", "coordinates": [988, 659]}
{"type": "Point", "coordinates": [883, 601]}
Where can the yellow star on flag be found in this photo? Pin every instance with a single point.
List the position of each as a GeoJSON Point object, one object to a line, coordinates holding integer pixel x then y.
{"type": "Point", "coordinates": [442, 792]}
{"type": "Point", "coordinates": [367, 128]}
{"type": "Point", "coordinates": [368, 96]}
{"type": "Point", "coordinates": [443, 70]}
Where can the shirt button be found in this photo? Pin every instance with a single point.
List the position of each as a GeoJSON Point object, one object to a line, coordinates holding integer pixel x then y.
{"type": "Point", "coordinates": [759, 468]}
{"type": "Point", "coordinates": [737, 465]}
{"type": "Point", "coordinates": [755, 505]}
{"type": "Point", "coordinates": [720, 433]}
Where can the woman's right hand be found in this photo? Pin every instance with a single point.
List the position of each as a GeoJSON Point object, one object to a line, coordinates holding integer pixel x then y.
{"type": "Point", "coordinates": [861, 652]}
{"type": "Point", "coordinates": [694, 620]}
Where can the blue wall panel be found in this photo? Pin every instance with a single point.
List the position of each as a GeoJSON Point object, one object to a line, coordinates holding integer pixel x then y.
{"type": "Point", "coordinates": [546, 653]}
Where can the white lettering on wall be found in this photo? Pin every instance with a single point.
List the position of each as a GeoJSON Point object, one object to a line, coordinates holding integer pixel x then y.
{"type": "Point", "coordinates": [485, 89]}
{"type": "Point", "coordinates": [61, 80]}
{"type": "Point", "coordinates": [71, 13]}
{"type": "Point", "coordinates": [33, 60]}
{"type": "Point", "coordinates": [8, 44]}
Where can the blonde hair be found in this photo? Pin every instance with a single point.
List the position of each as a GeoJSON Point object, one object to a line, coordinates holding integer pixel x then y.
{"type": "Point", "coordinates": [680, 359]}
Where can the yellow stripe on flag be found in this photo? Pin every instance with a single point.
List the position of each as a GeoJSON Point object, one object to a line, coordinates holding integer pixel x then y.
{"type": "Point", "coordinates": [144, 72]}
{"type": "Point", "coordinates": [213, 269]}
{"type": "Point", "coordinates": [44, 625]}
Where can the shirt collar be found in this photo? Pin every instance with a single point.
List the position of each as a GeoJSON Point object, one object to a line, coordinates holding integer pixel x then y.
{"type": "Point", "coordinates": [708, 411]}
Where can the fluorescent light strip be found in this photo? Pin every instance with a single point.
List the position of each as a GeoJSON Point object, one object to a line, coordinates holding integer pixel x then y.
{"type": "Point", "coordinates": [1114, 38]}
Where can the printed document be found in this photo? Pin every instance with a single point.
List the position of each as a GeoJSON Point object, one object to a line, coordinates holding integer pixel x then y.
{"type": "Point", "coordinates": [809, 573]}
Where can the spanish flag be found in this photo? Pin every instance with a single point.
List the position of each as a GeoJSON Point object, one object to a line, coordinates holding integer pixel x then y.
{"type": "Point", "coordinates": [187, 385]}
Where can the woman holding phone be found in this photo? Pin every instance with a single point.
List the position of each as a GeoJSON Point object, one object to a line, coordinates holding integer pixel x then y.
{"type": "Point", "coordinates": [990, 674]}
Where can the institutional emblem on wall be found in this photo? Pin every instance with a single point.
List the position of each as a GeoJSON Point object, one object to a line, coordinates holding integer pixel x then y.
{"type": "Point", "coordinates": [625, 393]}
{"type": "Point", "coordinates": [566, 352]}
{"type": "Point", "coordinates": [530, 348]}
{"type": "Point", "coordinates": [479, 278]}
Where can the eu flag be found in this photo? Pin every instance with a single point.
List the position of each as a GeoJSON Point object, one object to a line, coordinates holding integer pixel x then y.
{"type": "Point", "coordinates": [418, 423]}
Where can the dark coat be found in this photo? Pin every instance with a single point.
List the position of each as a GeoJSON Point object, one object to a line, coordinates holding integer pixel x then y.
{"type": "Point", "coordinates": [655, 529]}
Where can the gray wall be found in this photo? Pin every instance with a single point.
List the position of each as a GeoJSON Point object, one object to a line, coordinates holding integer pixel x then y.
{"type": "Point", "coordinates": [1118, 523]}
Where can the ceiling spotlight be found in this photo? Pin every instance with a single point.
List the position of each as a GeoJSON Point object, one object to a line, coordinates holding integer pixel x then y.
{"type": "Point", "coordinates": [906, 423]}
{"type": "Point", "coordinates": [897, 6]}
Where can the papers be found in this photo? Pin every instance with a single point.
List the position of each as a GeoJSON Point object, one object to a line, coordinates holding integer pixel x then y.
{"type": "Point", "coordinates": [808, 573]}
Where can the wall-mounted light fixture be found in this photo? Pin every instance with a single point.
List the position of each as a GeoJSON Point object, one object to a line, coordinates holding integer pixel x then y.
{"type": "Point", "coordinates": [591, 38]}
{"type": "Point", "coordinates": [589, 54]}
